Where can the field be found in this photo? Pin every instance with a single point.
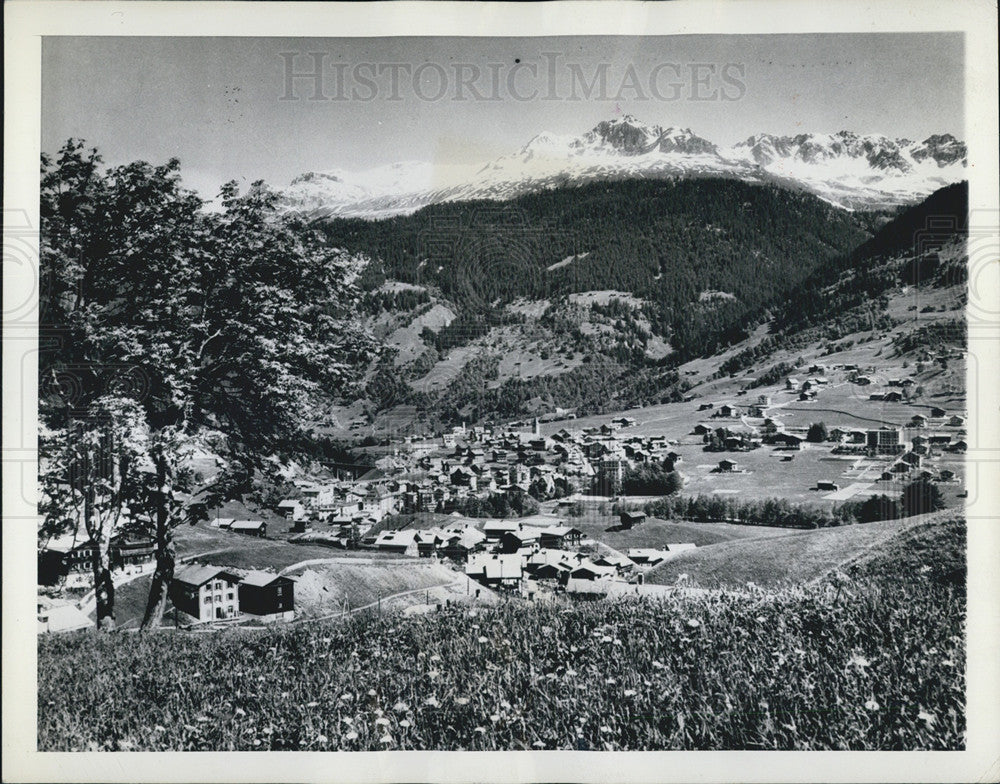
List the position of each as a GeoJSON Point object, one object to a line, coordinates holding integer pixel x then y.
{"type": "Point", "coordinates": [655, 533]}
{"type": "Point", "coordinates": [797, 556]}
{"type": "Point", "coordinates": [871, 662]}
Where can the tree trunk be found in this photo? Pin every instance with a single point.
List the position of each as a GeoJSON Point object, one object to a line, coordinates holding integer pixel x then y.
{"type": "Point", "coordinates": [156, 605]}
{"type": "Point", "coordinates": [104, 589]}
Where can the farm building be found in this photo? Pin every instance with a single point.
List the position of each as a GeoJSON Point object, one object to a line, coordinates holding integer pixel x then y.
{"type": "Point", "coordinates": [223, 522]}
{"type": "Point", "coordinates": [560, 536]}
{"type": "Point", "coordinates": [956, 421]}
{"type": "Point", "coordinates": [938, 412]}
{"type": "Point", "coordinates": [268, 597]}
{"type": "Point", "coordinates": [496, 570]}
{"type": "Point", "coordinates": [249, 527]}
{"type": "Point", "coordinates": [728, 466]}
{"type": "Point", "coordinates": [494, 529]}
{"type": "Point", "coordinates": [701, 430]}
{"type": "Point", "coordinates": [827, 485]}
{"type": "Point", "coordinates": [61, 557]}
{"type": "Point", "coordinates": [591, 571]}
{"type": "Point", "coordinates": [206, 593]}
{"type": "Point", "coordinates": [646, 556]}
{"type": "Point", "coordinates": [631, 519]}
{"type": "Point", "coordinates": [918, 420]}
{"type": "Point", "coordinates": [617, 562]}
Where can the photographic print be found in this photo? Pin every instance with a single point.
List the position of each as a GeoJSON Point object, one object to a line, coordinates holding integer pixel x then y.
{"type": "Point", "coordinates": [581, 393]}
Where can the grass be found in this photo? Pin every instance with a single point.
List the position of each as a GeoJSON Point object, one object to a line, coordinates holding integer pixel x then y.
{"type": "Point", "coordinates": [792, 556]}
{"type": "Point", "coordinates": [655, 533]}
{"type": "Point", "coordinates": [875, 661]}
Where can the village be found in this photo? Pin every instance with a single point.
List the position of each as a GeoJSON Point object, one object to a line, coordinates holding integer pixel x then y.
{"type": "Point", "coordinates": [513, 508]}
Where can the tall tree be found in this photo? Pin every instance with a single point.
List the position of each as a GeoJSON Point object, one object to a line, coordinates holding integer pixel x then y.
{"type": "Point", "coordinates": [232, 323]}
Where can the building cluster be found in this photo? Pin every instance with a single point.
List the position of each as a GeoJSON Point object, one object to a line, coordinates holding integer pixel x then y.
{"type": "Point", "coordinates": [214, 593]}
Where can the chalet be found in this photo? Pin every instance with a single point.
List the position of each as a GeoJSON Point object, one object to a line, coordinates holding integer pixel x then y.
{"type": "Point", "coordinates": [956, 421]}
{"type": "Point", "coordinates": [429, 542]}
{"type": "Point", "coordinates": [495, 529]}
{"type": "Point", "coordinates": [291, 509]}
{"type": "Point", "coordinates": [946, 475]}
{"type": "Point", "coordinates": [624, 421]}
{"type": "Point", "coordinates": [728, 411]}
{"type": "Point", "coordinates": [958, 446]}
{"type": "Point", "coordinates": [893, 397]}
{"type": "Point", "coordinates": [646, 556]}
{"type": "Point", "coordinates": [630, 519]}
{"type": "Point", "coordinates": [559, 537]}
{"type": "Point", "coordinates": [399, 542]}
{"type": "Point", "coordinates": [223, 522]}
{"type": "Point", "coordinates": [806, 394]}
{"type": "Point", "coordinates": [791, 383]}
{"type": "Point", "coordinates": [907, 382]}
{"type": "Point", "coordinates": [727, 466]}
{"type": "Point", "coordinates": [918, 420]}
{"type": "Point", "coordinates": [706, 406]}
{"type": "Point", "coordinates": [591, 571]}
{"type": "Point", "coordinates": [826, 485]}
{"type": "Point", "coordinates": [901, 468]}
{"type": "Point", "coordinates": [503, 570]}
{"type": "Point", "coordinates": [460, 546]}
{"type": "Point", "coordinates": [939, 440]}
{"type": "Point", "coordinates": [62, 557]}
{"type": "Point", "coordinates": [515, 541]}
{"type": "Point", "coordinates": [249, 527]}
{"type": "Point", "coordinates": [862, 380]}
{"type": "Point", "coordinates": [617, 562]}
{"type": "Point", "coordinates": [764, 400]}
{"type": "Point", "coordinates": [559, 571]}
{"type": "Point", "coordinates": [267, 597]}
{"type": "Point", "coordinates": [701, 430]}
{"type": "Point", "coordinates": [938, 412]}
{"type": "Point", "coordinates": [206, 593]}
{"type": "Point", "coordinates": [788, 440]}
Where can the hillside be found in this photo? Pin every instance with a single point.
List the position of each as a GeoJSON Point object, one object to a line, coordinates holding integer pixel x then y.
{"type": "Point", "coordinates": [803, 556]}
{"type": "Point", "coordinates": [874, 663]}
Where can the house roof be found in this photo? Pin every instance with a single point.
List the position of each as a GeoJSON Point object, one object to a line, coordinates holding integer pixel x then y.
{"type": "Point", "coordinates": [199, 574]}
{"type": "Point", "coordinates": [247, 525]}
{"type": "Point", "coordinates": [260, 579]}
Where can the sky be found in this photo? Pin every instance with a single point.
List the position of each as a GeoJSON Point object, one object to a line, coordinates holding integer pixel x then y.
{"type": "Point", "coordinates": [227, 109]}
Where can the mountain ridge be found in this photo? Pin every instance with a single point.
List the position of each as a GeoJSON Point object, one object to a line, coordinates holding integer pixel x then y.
{"type": "Point", "coordinates": [844, 168]}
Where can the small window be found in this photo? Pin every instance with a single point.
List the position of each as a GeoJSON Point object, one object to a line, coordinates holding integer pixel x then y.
{"type": "Point", "coordinates": [208, 600]}
{"type": "Point", "coordinates": [229, 595]}
{"type": "Point", "coordinates": [279, 590]}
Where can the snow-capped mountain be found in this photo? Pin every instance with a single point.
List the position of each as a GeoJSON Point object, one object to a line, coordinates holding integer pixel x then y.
{"type": "Point", "coordinates": [847, 169]}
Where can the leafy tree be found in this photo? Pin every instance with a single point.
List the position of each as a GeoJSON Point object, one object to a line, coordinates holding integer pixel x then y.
{"type": "Point", "coordinates": [817, 433]}
{"type": "Point", "coordinates": [237, 322]}
{"type": "Point", "coordinates": [879, 507]}
{"type": "Point", "coordinates": [920, 497]}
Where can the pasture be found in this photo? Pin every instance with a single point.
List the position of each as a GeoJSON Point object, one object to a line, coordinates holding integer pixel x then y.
{"type": "Point", "coordinates": [876, 661]}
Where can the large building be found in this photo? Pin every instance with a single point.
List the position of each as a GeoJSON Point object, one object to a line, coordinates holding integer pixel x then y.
{"type": "Point", "coordinates": [207, 593]}
{"type": "Point", "coordinates": [885, 441]}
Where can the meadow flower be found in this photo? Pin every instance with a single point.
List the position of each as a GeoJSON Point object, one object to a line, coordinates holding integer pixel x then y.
{"type": "Point", "coordinates": [859, 661]}
{"type": "Point", "coordinates": [372, 692]}
{"type": "Point", "coordinates": [405, 723]}
{"type": "Point", "coordinates": [630, 692]}
{"type": "Point", "coordinates": [605, 638]}
{"type": "Point", "coordinates": [435, 657]}
{"type": "Point", "coordinates": [495, 717]}
{"type": "Point", "coordinates": [322, 739]}
{"type": "Point", "coordinates": [539, 744]}
{"type": "Point", "coordinates": [872, 705]}
{"type": "Point", "coordinates": [312, 704]}
{"type": "Point", "coordinates": [432, 702]}
{"type": "Point", "coordinates": [461, 700]}
{"type": "Point", "coordinates": [433, 674]}
{"type": "Point", "coordinates": [480, 730]}
{"type": "Point", "coordinates": [352, 735]}
{"type": "Point", "coordinates": [929, 718]}
{"type": "Point", "coordinates": [159, 728]}
{"type": "Point", "coordinates": [694, 623]}
{"type": "Point", "coordinates": [347, 720]}
{"type": "Point", "coordinates": [240, 712]}
{"type": "Point", "coordinates": [382, 722]}
{"type": "Point", "coordinates": [570, 673]}
{"type": "Point", "coordinates": [401, 707]}
{"type": "Point", "coordinates": [483, 639]}
{"type": "Point", "coordinates": [605, 728]}
{"type": "Point", "coordinates": [256, 741]}
{"type": "Point", "coordinates": [387, 739]}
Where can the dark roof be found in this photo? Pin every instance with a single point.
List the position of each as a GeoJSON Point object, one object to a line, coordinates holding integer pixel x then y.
{"type": "Point", "coordinates": [198, 574]}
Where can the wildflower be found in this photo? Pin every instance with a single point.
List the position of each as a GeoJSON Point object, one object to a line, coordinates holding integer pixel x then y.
{"type": "Point", "coordinates": [401, 707]}
{"type": "Point", "coordinates": [570, 673]}
{"type": "Point", "coordinates": [605, 728]}
{"type": "Point", "coordinates": [538, 744]}
{"type": "Point", "coordinates": [694, 623]}
{"type": "Point", "coordinates": [202, 718]}
{"type": "Point", "coordinates": [605, 638]}
{"type": "Point", "coordinates": [573, 648]}
{"type": "Point", "coordinates": [405, 723]}
{"type": "Point", "coordinates": [435, 657]}
{"type": "Point", "coordinates": [387, 739]}
{"type": "Point", "coordinates": [480, 730]}
{"type": "Point", "coordinates": [347, 720]}
{"type": "Point", "coordinates": [630, 692]}
{"type": "Point", "coordinates": [382, 722]}
{"type": "Point", "coordinates": [483, 639]}
{"type": "Point", "coordinates": [432, 702]}
{"type": "Point", "coordinates": [322, 739]}
{"type": "Point", "coordinates": [929, 718]}
{"type": "Point", "coordinates": [505, 705]}
{"type": "Point", "coordinates": [312, 704]}
{"type": "Point", "coordinates": [346, 697]}
{"type": "Point", "coordinates": [267, 730]}
{"type": "Point", "coordinates": [352, 735]}
{"type": "Point", "coordinates": [256, 741]}
{"type": "Point", "coordinates": [461, 700]}
{"type": "Point", "coordinates": [495, 717]}
{"type": "Point", "coordinates": [160, 728]}
{"type": "Point", "coordinates": [433, 674]}
{"type": "Point", "coordinates": [658, 664]}
{"type": "Point", "coordinates": [372, 692]}
{"type": "Point", "coordinates": [761, 619]}
{"type": "Point", "coordinates": [610, 680]}
{"type": "Point", "coordinates": [872, 705]}
{"type": "Point", "coordinates": [240, 712]}
{"type": "Point", "coordinates": [859, 661]}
